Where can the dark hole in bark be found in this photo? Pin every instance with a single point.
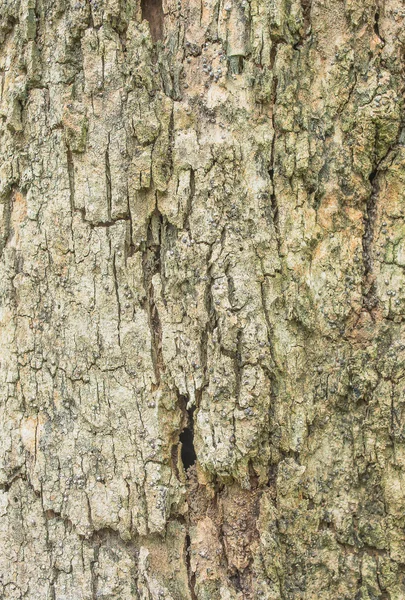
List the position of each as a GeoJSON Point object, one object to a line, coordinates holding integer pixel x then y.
{"type": "Point", "coordinates": [152, 11]}
{"type": "Point", "coordinates": [188, 455]}
{"type": "Point", "coordinates": [236, 582]}
{"type": "Point", "coordinates": [190, 572]}
{"type": "Point", "coordinates": [376, 23]}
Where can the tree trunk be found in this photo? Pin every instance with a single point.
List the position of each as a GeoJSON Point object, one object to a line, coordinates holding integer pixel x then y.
{"type": "Point", "coordinates": [202, 335]}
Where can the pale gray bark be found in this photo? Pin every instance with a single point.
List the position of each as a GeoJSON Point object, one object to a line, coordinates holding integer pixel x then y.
{"type": "Point", "coordinates": [202, 344]}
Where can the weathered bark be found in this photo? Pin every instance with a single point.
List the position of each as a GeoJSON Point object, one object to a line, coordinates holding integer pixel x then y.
{"type": "Point", "coordinates": [202, 343]}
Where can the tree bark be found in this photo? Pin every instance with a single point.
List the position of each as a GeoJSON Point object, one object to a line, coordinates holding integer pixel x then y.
{"type": "Point", "coordinates": [202, 342]}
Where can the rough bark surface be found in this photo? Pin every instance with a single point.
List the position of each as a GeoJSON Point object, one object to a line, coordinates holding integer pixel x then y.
{"type": "Point", "coordinates": [202, 287]}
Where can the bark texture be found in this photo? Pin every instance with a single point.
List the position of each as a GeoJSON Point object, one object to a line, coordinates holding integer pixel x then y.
{"type": "Point", "coordinates": [202, 287]}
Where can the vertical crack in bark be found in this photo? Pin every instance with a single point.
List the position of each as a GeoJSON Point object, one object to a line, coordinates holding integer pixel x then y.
{"type": "Point", "coordinates": [191, 195]}
{"type": "Point", "coordinates": [71, 175]}
{"type": "Point", "coordinates": [208, 297]}
{"type": "Point", "coordinates": [188, 454]}
{"type": "Point", "coordinates": [188, 458]}
{"type": "Point", "coordinates": [369, 219]}
{"type": "Point", "coordinates": [131, 247]}
{"type": "Point", "coordinates": [273, 198]}
{"type": "Point", "coordinates": [367, 242]}
{"type": "Point", "coordinates": [190, 572]}
{"type": "Point", "coordinates": [103, 77]}
{"type": "Point", "coordinates": [152, 11]}
{"type": "Point", "coordinates": [184, 437]}
{"type": "Point", "coordinates": [203, 361]}
{"type": "Point", "coordinates": [6, 220]}
{"type": "Point", "coordinates": [376, 27]}
{"type": "Point", "coordinates": [237, 365]}
{"type": "Point", "coordinates": [108, 179]}
{"type": "Point", "coordinates": [114, 268]}
{"type": "Point", "coordinates": [151, 264]}
{"type": "Point", "coordinates": [306, 6]}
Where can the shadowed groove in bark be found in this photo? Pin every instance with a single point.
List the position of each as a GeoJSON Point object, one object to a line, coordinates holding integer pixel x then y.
{"type": "Point", "coordinates": [152, 11]}
{"type": "Point", "coordinates": [114, 268]}
{"type": "Point", "coordinates": [5, 229]}
{"type": "Point", "coordinates": [377, 26]}
{"type": "Point", "coordinates": [184, 438]}
{"type": "Point", "coordinates": [190, 199]}
{"type": "Point", "coordinates": [306, 11]}
{"type": "Point", "coordinates": [190, 572]}
{"type": "Point", "coordinates": [235, 579]}
{"type": "Point", "coordinates": [273, 199]}
{"type": "Point", "coordinates": [188, 454]}
{"type": "Point", "coordinates": [151, 264]}
{"type": "Point", "coordinates": [108, 179]}
{"type": "Point", "coordinates": [369, 219]}
{"type": "Point", "coordinates": [71, 175]}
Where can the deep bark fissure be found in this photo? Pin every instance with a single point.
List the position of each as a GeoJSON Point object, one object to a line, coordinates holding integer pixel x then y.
{"type": "Point", "coordinates": [190, 199]}
{"type": "Point", "coordinates": [117, 297]}
{"type": "Point", "coordinates": [369, 221]}
{"type": "Point", "coordinates": [306, 6]}
{"type": "Point", "coordinates": [71, 176]}
{"type": "Point", "coordinates": [6, 220]}
{"type": "Point", "coordinates": [188, 454]}
{"type": "Point", "coordinates": [190, 572]}
{"type": "Point", "coordinates": [377, 26]}
{"type": "Point", "coordinates": [273, 197]}
{"type": "Point", "coordinates": [108, 180]}
{"type": "Point", "coordinates": [151, 264]}
{"type": "Point", "coordinates": [152, 11]}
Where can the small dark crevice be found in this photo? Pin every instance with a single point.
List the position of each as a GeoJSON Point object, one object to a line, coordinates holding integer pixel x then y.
{"type": "Point", "coordinates": [17, 474]}
{"type": "Point", "coordinates": [152, 11]}
{"type": "Point", "coordinates": [272, 480]}
{"type": "Point", "coordinates": [189, 201]}
{"type": "Point", "coordinates": [170, 145]}
{"type": "Point", "coordinates": [151, 264]}
{"type": "Point", "coordinates": [190, 572]}
{"type": "Point", "coordinates": [274, 207]}
{"type": "Point", "coordinates": [131, 247]}
{"type": "Point", "coordinates": [376, 26]}
{"type": "Point", "coordinates": [237, 364]}
{"type": "Point", "coordinates": [367, 242]}
{"type": "Point", "coordinates": [203, 361]}
{"type": "Point", "coordinates": [306, 13]}
{"type": "Point", "coordinates": [71, 175]}
{"type": "Point", "coordinates": [52, 586]}
{"type": "Point", "coordinates": [192, 183]}
{"type": "Point", "coordinates": [6, 221]}
{"type": "Point", "coordinates": [273, 199]}
{"type": "Point", "coordinates": [188, 455]}
{"type": "Point", "coordinates": [117, 297]}
{"type": "Point", "coordinates": [93, 575]}
{"type": "Point", "coordinates": [108, 180]}
{"type": "Point", "coordinates": [174, 456]}
{"type": "Point", "coordinates": [273, 54]}
{"type": "Point", "coordinates": [90, 13]}
{"type": "Point", "coordinates": [253, 477]}
{"type": "Point", "coordinates": [236, 581]}
{"type": "Point", "coordinates": [369, 219]}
